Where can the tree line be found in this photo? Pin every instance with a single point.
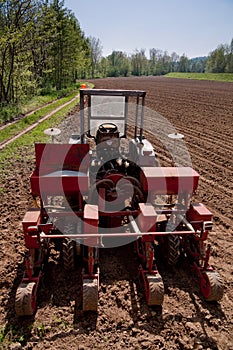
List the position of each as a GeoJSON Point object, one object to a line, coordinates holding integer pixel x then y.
{"type": "Point", "coordinates": [161, 62]}
{"type": "Point", "coordinates": [221, 59]}
{"type": "Point", "coordinates": [43, 48]}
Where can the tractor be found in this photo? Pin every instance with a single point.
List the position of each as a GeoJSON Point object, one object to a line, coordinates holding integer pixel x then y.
{"type": "Point", "coordinates": [105, 188]}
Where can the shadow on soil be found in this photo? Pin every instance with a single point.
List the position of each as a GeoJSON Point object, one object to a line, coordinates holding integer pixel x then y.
{"type": "Point", "coordinates": [118, 264]}
{"type": "Point", "coordinates": [17, 329]}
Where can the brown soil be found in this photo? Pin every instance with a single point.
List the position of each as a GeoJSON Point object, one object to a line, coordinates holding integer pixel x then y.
{"type": "Point", "coordinates": [203, 112]}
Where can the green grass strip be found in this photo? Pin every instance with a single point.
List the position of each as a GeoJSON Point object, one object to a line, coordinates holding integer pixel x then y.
{"type": "Point", "coordinates": [22, 124]}
{"type": "Point", "coordinates": [25, 144]}
{"type": "Point", "coordinates": [15, 151]}
{"type": "Point", "coordinates": [225, 77]}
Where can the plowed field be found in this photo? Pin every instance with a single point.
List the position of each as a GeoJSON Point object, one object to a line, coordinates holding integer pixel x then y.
{"type": "Point", "coordinates": [203, 112]}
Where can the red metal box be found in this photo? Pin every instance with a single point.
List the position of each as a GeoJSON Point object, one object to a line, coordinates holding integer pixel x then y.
{"type": "Point", "coordinates": [199, 212]}
{"type": "Point", "coordinates": [169, 180]}
{"type": "Point", "coordinates": [31, 218]}
{"type": "Point", "coordinates": [59, 183]}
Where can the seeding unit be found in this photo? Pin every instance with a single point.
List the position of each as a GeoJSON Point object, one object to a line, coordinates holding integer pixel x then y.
{"type": "Point", "coordinates": [94, 193]}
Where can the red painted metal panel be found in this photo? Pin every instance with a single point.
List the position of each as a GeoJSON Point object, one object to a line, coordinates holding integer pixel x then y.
{"type": "Point", "coordinates": [91, 221]}
{"type": "Point", "coordinates": [91, 213]}
{"type": "Point", "coordinates": [31, 218]}
{"type": "Point", "coordinates": [52, 157]}
{"type": "Point", "coordinates": [58, 185]}
{"type": "Point", "coordinates": [147, 218]}
{"type": "Point", "coordinates": [199, 212]}
{"type": "Point", "coordinates": [169, 180]}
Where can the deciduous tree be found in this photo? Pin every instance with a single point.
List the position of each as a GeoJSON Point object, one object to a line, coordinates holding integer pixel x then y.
{"type": "Point", "coordinates": [96, 53]}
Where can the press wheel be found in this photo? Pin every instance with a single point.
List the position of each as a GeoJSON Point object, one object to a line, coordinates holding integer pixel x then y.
{"type": "Point", "coordinates": [212, 286]}
{"type": "Point", "coordinates": [155, 290]}
{"type": "Point", "coordinates": [25, 299]}
{"type": "Point", "coordinates": [90, 295]}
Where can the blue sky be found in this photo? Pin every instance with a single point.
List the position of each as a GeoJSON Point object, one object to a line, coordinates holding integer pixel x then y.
{"type": "Point", "coordinates": [193, 27]}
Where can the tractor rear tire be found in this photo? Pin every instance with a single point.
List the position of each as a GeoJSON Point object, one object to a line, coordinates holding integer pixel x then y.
{"type": "Point", "coordinates": [171, 249]}
{"type": "Point", "coordinates": [68, 254]}
{"type": "Point", "coordinates": [90, 295]}
{"type": "Point", "coordinates": [25, 299]}
{"type": "Point", "coordinates": [78, 249]}
{"type": "Point", "coordinates": [213, 288]}
{"type": "Point", "coordinates": [155, 290]}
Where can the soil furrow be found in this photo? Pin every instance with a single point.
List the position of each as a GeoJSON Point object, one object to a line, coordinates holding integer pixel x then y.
{"type": "Point", "coordinates": [202, 111]}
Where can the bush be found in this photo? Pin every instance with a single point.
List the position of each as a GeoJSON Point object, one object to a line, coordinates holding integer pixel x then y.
{"type": "Point", "coordinates": [47, 90]}
{"type": "Point", "coordinates": [8, 113]}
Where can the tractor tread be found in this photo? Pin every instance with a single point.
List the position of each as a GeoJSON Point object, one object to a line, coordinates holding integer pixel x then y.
{"type": "Point", "coordinates": [78, 249]}
{"type": "Point", "coordinates": [90, 295]}
{"type": "Point", "coordinates": [68, 254]}
{"type": "Point", "coordinates": [173, 250]}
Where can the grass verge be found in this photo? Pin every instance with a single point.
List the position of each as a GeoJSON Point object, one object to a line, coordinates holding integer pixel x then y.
{"type": "Point", "coordinates": [14, 151]}
{"type": "Point", "coordinates": [9, 111]}
{"type": "Point", "coordinates": [22, 124]}
{"type": "Point", "coordinates": [226, 77]}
